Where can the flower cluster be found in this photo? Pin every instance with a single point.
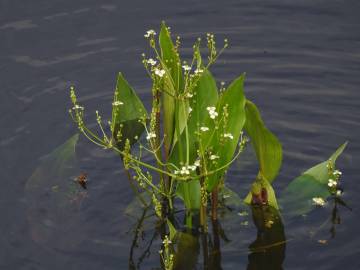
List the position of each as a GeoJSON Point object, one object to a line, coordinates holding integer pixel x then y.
{"type": "Point", "coordinates": [167, 257]}
{"type": "Point", "coordinates": [213, 114]}
{"type": "Point", "coordinates": [185, 170]}
{"type": "Point", "coordinates": [151, 61]}
{"type": "Point", "coordinates": [332, 183]}
{"type": "Point", "coordinates": [318, 201]}
{"type": "Point", "coordinates": [150, 135]}
{"type": "Point", "coordinates": [228, 135]}
{"type": "Point", "coordinates": [186, 67]}
{"type": "Point", "coordinates": [150, 33]}
{"type": "Point", "coordinates": [117, 103]}
{"type": "Point", "coordinates": [159, 72]}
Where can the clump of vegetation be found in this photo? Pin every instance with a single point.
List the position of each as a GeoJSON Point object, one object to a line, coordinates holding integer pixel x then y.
{"type": "Point", "coordinates": [201, 134]}
{"type": "Point", "coordinates": [195, 130]}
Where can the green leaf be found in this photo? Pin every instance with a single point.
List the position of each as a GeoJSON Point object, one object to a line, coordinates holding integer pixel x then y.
{"type": "Point", "coordinates": [127, 110]}
{"type": "Point", "coordinates": [172, 230]}
{"type": "Point", "coordinates": [234, 99]}
{"type": "Point", "coordinates": [297, 197]}
{"type": "Point", "coordinates": [267, 147]}
{"type": "Point", "coordinates": [205, 94]}
{"type": "Point", "coordinates": [320, 171]}
{"type": "Point", "coordinates": [173, 82]}
{"type": "Point", "coordinates": [189, 192]}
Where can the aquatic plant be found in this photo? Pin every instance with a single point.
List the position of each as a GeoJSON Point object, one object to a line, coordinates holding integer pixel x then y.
{"type": "Point", "coordinates": [195, 130]}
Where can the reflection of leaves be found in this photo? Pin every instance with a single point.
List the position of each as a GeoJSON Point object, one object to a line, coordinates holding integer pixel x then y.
{"type": "Point", "coordinates": [135, 208]}
{"type": "Point", "coordinates": [268, 250]}
{"type": "Point", "coordinates": [53, 199]}
{"type": "Point", "coordinates": [187, 252]}
{"type": "Point", "coordinates": [230, 197]}
{"type": "Point", "coordinates": [312, 183]}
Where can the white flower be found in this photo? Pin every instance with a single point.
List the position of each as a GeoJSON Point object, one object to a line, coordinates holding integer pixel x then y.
{"type": "Point", "coordinates": [197, 163]}
{"type": "Point", "coordinates": [150, 135]}
{"type": "Point", "coordinates": [204, 128]}
{"type": "Point", "coordinates": [198, 71]}
{"type": "Point", "coordinates": [189, 95]}
{"type": "Point", "coordinates": [190, 109]}
{"type": "Point", "coordinates": [213, 114]}
{"type": "Point", "coordinates": [184, 170]}
{"type": "Point", "coordinates": [186, 67]}
{"type": "Point", "coordinates": [318, 201]}
{"type": "Point", "coordinates": [151, 61]}
{"type": "Point", "coordinates": [166, 241]}
{"type": "Point", "coordinates": [337, 172]}
{"type": "Point", "coordinates": [228, 135]}
{"type": "Point", "coordinates": [338, 192]}
{"type": "Point", "coordinates": [213, 157]}
{"type": "Point", "coordinates": [332, 183]}
{"type": "Point", "coordinates": [159, 72]}
{"type": "Point", "coordinates": [117, 103]}
{"type": "Point", "coordinates": [150, 33]}
{"type": "Point", "coordinates": [192, 167]}
{"type": "Point", "coordinates": [77, 107]}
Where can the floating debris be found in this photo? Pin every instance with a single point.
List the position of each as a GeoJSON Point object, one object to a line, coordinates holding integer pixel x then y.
{"type": "Point", "coordinates": [82, 180]}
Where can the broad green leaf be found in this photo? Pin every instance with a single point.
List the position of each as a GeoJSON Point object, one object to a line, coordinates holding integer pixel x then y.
{"type": "Point", "coordinates": [205, 94]}
{"type": "Point", "coordinates": [233, 98]}
{"type": "Point", "coordinates": [267, 147]}
{"type": "Point", "coordinates": [260, 183]}
{"type": "Point", "coordinates": [172, 83]}
{"type": "Point", "coordinates": [297, 197]}
{"type": "Point", "coordinates": [127, 110]}
{"type": "Point", "coordinates": [189, 192]}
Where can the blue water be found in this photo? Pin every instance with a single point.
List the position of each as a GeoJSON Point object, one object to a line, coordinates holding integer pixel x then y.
{"type": "Point", "coordinates": [302, 61]}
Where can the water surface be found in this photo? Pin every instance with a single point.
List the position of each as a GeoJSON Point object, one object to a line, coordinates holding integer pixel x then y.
{"type": "Point", "coordinates": [302, 61]}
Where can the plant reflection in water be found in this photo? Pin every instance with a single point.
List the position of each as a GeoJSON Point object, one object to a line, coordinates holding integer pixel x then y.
{"type": "Point", "coordinates": [266, 252]}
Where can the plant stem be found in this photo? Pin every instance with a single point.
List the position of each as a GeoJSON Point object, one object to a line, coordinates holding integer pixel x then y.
{"type": "Point", "coordinates": [214, 203]}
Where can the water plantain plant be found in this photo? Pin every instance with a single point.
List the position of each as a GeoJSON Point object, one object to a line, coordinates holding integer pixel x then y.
{"type": "Point", "coordinates": [195, 130]}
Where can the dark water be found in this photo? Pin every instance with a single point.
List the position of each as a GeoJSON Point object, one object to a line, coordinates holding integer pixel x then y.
{"type": "Point", "coordinates": [302, 60]}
